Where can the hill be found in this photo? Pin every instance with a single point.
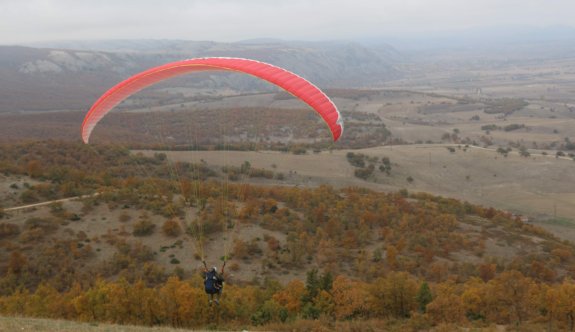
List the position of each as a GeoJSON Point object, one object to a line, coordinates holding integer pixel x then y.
{"type": "Point", "coordinates": [137, 241]}
{"type": "Point", "coordinates": [40, 79]}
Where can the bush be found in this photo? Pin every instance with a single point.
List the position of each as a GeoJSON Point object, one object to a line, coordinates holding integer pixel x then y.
{"type": "Point", "coordinates": [124, 217]}
{"type": "Point", "coordinates": [261, 173]}
{"type": "Point", "coordinates": [364, 173]}
{"type": "Point", "coordinates": [143, 228]}
{"type": "Point", "coordinates": [171, 228]}
{"type": "Point", "coordinates": [32, 235]}
{"type": "Point", "coordinates": [356, 159]}
{"type": "Point", "coordinates": [298, 150]}
{"type": "Point", "coordinates": [45, 224]}
{"type": "Point", "coordinates": [490, 127]}
{"type": "Point", "coordinates": [7, 230]}
{"type": "Point", "coordinates": [514, 126]}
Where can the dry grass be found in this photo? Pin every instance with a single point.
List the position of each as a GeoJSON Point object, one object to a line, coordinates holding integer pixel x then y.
{"type": "Point", "coordinates": [539, 185]}
{"type": "Point", "coordinates": [12, 324]}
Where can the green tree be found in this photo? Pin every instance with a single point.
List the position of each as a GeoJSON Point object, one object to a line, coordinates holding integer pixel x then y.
{"type": "Point", "coordinates": [424, 297]}
{"type": "Point", "coordinates": [326, 281]}
{"type": "Point", "coordinates": [312, 285]}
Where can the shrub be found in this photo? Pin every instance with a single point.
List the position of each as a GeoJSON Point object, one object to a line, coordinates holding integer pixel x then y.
{"type": "Point", "coordinates": [143, 228]}
{"type": "Point", "coordinates": [7, 230]}
{"type": "Point", "coordinates": [171, 228]}
{"type": "Point", "coordinates": [364, 173]}
{"type": "Point", "coordinates": [356, 159]}
{"type": "Point", "coordinates": [124, 217]}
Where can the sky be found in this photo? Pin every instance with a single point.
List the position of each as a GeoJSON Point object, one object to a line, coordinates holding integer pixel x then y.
{"type": "Point", "coordinates": [27, 21]}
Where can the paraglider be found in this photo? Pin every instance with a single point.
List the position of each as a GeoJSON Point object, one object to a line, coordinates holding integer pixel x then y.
{"type": "Point", "coordinates": [213, 283]}
{"type": "Point", "coordinates": [290, 82]}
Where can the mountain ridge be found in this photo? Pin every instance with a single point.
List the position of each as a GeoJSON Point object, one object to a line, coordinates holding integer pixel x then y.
{"type": "Point", "coordinates": [71, 78]}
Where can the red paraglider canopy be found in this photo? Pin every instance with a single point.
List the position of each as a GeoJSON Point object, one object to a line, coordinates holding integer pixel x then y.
{"type": "Point", "coordinates": [292, 83]}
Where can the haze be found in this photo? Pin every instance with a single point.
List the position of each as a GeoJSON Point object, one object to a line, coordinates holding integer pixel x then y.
{"type": "Point", "coordinates": [226, 20]}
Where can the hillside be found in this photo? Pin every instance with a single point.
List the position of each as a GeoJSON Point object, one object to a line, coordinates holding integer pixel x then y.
{"type": "Point", "coordinates": [40, 79]}
{"type": "Point", "coordinates": [518, 159]}
{"type": "Point", "coordinates": [137, 241]}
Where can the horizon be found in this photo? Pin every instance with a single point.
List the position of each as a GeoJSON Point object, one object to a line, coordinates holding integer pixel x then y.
{"type": "Point", "coordinates": [227, 21]}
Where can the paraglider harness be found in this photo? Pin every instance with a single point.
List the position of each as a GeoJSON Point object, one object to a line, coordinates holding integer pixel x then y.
{"type": "Point", "coordinates": [213, 282]}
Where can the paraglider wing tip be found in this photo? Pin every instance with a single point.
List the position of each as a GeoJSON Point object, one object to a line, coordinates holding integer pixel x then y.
{"type": "Point", "coordinates": [85, 136]}
{"type": "Point", "coordinates": [339, 125]}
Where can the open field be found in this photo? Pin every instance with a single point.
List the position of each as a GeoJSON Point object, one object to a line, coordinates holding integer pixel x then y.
{"type": "Point", "coordinates": [537, 186]}
{"type": "Point", "coordinates": [490, 77]}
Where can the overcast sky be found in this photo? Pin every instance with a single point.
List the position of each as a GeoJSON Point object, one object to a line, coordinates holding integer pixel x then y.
{"type": "Point", "coordinates": [23, 21]}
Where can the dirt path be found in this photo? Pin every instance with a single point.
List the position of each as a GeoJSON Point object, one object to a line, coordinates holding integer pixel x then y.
{"type": "Point", "coordinates": [23, 207]}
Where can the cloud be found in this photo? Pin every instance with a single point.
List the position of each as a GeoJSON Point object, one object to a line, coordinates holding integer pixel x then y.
{"type": "Point", "coordinates": [227, 20]}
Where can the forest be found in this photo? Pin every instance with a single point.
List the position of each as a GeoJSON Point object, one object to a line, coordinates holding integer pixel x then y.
{"type": "Point", "coordinates": [370, 260]}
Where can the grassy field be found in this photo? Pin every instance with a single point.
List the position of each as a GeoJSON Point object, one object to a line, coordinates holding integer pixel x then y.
{"type": "Point", "coordinates": [537, 186]}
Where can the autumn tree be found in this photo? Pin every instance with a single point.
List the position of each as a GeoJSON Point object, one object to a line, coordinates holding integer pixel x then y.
{"type": "Point", "coordinates": [446, 306]}
{"type": "Point", "coordinates": [487, 271]}
{"type": "Point", "coordinates": [560, 304]}
{"type": "Point", "coordinates": [290, 297]}
{"type": "Point", "coordinates": [511, 298]}
{"type": "Point", "coordinates": [349, 298]}
{"type": "Point", "coordinates": [394, 295]}
{"type": "Point", "coordinates": [391, 256]}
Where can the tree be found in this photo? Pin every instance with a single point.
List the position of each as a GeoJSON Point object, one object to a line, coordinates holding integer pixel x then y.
{"type": "Point", "coordinates": [487, 271]}
{"type": "Point", "coordinates": [560, 303]}
{"type": "Point", "coordinates": [446, 309]}
{"type": "Point", "coordinates": [269, 312]}
{"type": "Point", "coordinates": [385, 165]}
{"type": "Point", "coordinates": [326, 281]}
{"type": "Point", "coordinates": [391, 256]}
{"type": "Point", "coordinates": [511, 298]}
{"type": "Point", "coordinates": [447, 306]}
{"type": "Point", "coordinates": [312, 285]}
{"type": "Point", "coordinates": [523, 152]}
{"type": "Point", "coordinates": [349, 298]}
{"type": "Point", "coordinates": [290, 297]}
{"type": "Point", "coordinates": [424, 296]}
{"type": "Point", "coordinates": [394, 295]}
{"type": "Point", "coordinates": [474, 299]}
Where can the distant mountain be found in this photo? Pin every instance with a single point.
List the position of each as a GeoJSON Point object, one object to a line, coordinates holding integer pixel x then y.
{"type": "Point", "coordinates": [511, 42]}
{"type": "Point", "coordinates": [70, 75]}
